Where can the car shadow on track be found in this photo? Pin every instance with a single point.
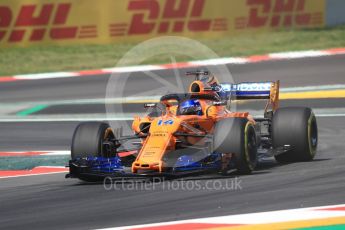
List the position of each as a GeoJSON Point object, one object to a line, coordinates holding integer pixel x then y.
{"type": "Point", "coordinates": [270, 164]}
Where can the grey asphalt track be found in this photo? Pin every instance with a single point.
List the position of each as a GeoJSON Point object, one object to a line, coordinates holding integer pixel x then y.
{"type": "Point", "coordinates": [52, 202]}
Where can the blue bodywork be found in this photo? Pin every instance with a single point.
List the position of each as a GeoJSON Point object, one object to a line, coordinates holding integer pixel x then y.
{"type": "Point", "coordinates": [114, 165]}
{"type": "Point", "coordinates": [249, 89]}
{"type": "Point", "coordinates": [187, 163]}
{"type": "Point", "coordinates": [103, 164]}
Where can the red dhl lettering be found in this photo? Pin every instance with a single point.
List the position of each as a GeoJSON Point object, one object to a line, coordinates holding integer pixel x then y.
{"type": "Point", "coordinates": [39, 21]}
{"type": "Point", "coordinates": [277, 13]}
{"type": "Point", "coordinates": [49, 21]}
{"type": "Point", "coordinates": [173, 14]}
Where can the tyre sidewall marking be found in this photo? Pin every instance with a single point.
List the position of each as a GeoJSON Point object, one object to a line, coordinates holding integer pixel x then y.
{"type": "Point", "coordinates": [246, 153]}
{"type": "Point", "coordinates": [103, 136]}
{"type": "Point", "coordinates": [312, 150]}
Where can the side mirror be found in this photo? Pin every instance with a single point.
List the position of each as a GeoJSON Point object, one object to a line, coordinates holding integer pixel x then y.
{"type": "Point", "coordinates": [150, 105]}
{"type": "Point", "coordinates": [220, 103]}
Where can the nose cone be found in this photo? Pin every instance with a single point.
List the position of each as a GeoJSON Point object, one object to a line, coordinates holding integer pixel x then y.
{"type": "Point", "coordinates": [157, 144]}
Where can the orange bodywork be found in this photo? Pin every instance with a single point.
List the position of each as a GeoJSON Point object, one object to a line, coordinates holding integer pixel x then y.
{"type": "Point", "coordinates": [161, 139]}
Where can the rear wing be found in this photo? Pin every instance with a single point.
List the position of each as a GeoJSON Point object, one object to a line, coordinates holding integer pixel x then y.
{"type": "Point", "coordinates": [252, 90]}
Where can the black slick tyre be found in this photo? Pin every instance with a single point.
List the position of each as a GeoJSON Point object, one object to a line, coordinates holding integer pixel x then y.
{"type": "Point", "coordinates": [88, 139]}
{"type": "Point", "coordinates": [297, 127]}
{"type": "Point", "coordinates": [237, 136]}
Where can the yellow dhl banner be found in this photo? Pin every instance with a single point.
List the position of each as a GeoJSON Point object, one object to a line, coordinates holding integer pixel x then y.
{"type": "Point", "coordinates": [29, 22]}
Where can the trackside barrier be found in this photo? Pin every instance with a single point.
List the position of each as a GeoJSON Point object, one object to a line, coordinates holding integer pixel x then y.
{"type": "Point", "coordinates": [31, 22]}
{"type": "Point", "coordinates": [335, 12]}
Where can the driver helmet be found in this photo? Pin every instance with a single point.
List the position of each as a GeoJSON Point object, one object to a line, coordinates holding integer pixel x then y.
{"type": "Point", "coordinates": [190, 107]}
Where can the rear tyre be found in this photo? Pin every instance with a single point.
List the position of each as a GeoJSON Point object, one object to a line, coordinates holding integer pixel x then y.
{"type": "Point", "coordinates": [88, 139]}
{"type": "Point", "coordinates": [297, 127]}
{"type": "Point", "coordinates": [237, 136]}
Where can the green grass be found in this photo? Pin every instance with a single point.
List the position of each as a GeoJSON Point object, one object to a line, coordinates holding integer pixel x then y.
{"type": "Point", "coordinates": [21, 163]}
{"type": "Point", "coordinates": [83, 57]}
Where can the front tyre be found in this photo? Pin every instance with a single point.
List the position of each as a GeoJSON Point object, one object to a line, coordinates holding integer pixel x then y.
{"type": "Point", "coordinates": [237, 136]}
{"type": "Point", "coordinates": [88, 139]}
{"type": "Point", "coordinates": [297, 127]}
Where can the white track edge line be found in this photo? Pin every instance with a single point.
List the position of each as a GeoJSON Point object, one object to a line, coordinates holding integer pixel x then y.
{"type": "Point", "coordinates": [310, 213]}
{"type": "Point", "coordinates": [218, 61]}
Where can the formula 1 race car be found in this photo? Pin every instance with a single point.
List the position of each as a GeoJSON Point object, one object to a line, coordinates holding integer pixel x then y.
{"type": "Point", "coordinates": [197, 132]}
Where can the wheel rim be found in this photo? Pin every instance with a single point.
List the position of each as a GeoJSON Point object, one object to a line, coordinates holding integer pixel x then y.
{"type": "Point", "coordinates": [250, 146]}
{"type": "Point", "coordinates": [312, 134]}
{"type": "Point", "coordinates": [108, 134]}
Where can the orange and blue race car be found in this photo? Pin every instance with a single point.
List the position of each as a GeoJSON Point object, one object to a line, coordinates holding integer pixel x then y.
{"type": "Point", "coordinates": [196, 132]}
